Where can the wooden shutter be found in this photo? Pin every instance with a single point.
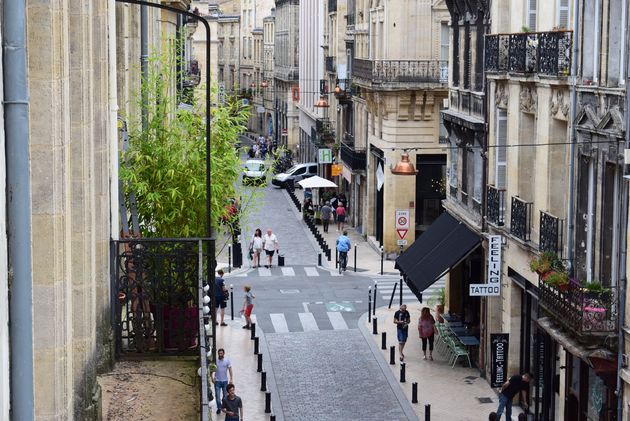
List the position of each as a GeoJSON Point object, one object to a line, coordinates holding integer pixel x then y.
{"type": "Point", "coordinates": [500, 181]}
{"type": "Point", "coordinates": [531, 14]}
{"type": "Point", "coordinates": [563, 14]}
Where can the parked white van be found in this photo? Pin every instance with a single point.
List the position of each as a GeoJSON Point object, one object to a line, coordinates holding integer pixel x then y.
{"type": "Point", "coordinates": [294, 174]}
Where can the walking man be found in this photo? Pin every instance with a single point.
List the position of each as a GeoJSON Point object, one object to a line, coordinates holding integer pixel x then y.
{"type": "Point", "coordinates": [220, 377]}
{"type": "Point", "coordinates": [220, 296]}
{"type": "Point", "coordinates": [232, 405]}
{"type": "Point", "coordinates": [326, 212]}
{"type": "Point", "coordinates": [516, 384]}
{"type": "Point", "coordinates": [402, 318]}
{"type": "Point", "coordinates": [270, 244]}
{"type": "Point", "coordinates": [343, 247]}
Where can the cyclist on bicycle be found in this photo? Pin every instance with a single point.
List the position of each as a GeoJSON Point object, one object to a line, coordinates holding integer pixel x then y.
{"type": "Point", "coordinates": [343, 246]}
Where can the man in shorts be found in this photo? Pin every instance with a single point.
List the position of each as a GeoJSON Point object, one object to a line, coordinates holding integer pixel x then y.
{"type": "Point", "coordinates": [220, 296]}
{"type": "Point", "coordinates": [270, 245]}
{"type": "Point", "coordinates": [402, 318]}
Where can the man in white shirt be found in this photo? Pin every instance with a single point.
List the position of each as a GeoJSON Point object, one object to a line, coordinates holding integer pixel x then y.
{"type": "Point", "coordinates": [270, 244]}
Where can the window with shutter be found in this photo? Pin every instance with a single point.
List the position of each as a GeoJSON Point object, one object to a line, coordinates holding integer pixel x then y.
{"type": "Point", "coordinates": [531, 14]}
{"type": "Point", "coordinates": [563, 14]}
{"type": "Point", "coordinates": [478, 177]}
{"type": "Point", "coordinates": [500, 179]}
{"type": "Point", "coordinates": [452, 171]}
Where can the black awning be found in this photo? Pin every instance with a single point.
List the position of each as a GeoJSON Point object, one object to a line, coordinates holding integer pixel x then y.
{"type": "Point", "coordinates": [442, 246]}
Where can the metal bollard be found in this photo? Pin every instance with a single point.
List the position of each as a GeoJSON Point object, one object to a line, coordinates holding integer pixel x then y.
{"type": "Point", "coordinates": [229, 259]}
{"type": "Point", "coordinates": [402, 372]}
{"type": "Point", "coordinates": [272, 417]}
{"type": "Point", "coordinates": [369, 304]}
{"type": "Point", "coordinates": [253, 330]}
{"type": "Point", "coordinates": [401, 291]}
{"type": "Point", "coordinates": [414, 392]}
{"type": "Point", "coordinates": [267, 402]}
{"type": "Point", "coordinates": [355, 258]}
{"type": "Point", "coordinates": [392, 355]}
{"type": "Point", "coordinates": [382, 260]}
{"type": "Point", "coordinates": [374, 326]}
{"type": "Point", "coordinates": [336, 258]}
{"type": "Point", "coordinates": [384, 340]}
{"type": "Point", "coordinates": [374, 302]}
{"type": "Point", "coordinates": [231, 301]}
{"type": "Point", "coordinates": [427, 412]}
{"type": "Point", "coordinates": [256, 346]}
{"type": "Point", "coordinates": [259, 368]}
{"type": "Point", "coordinates": [319, 259]}
{"type": "Point", "coordinates": [263, 381]}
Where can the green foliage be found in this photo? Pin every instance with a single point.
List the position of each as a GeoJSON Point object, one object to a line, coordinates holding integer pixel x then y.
{"type": "Point", "coordinates": [557, 279]}
{"type": "Point", "coordinates": [165, 165]}
{"type": "Point", "coordinates": [546, 262]}
{"type": "Point", "coordinates": [439, 299]}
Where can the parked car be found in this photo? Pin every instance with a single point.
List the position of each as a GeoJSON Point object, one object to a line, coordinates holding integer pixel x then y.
{"type": "Point", "coordinates": [294, 174]}
{"type": "Point", "coordinates": [254, 172]}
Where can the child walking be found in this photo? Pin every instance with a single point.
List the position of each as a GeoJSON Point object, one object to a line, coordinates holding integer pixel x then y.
{"type": "Point", "coordinates": [248, 306]}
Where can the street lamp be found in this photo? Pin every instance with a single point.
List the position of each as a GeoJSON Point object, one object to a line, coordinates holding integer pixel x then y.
{"type": "Point", "coordinates": [404, 167]}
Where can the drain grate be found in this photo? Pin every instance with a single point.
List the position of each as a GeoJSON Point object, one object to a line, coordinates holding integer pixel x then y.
{"type": "Point", "coordinates": [484, 400]}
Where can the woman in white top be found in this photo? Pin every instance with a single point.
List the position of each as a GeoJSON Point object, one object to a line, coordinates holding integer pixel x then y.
{"type": "Point", "coordinates": [256, 246]}
{"type": "Point", "coordinates": [270, 244]}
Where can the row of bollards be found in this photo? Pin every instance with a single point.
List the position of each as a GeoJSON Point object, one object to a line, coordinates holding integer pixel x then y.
{"type": "Point", "coordinates": [263, 374]}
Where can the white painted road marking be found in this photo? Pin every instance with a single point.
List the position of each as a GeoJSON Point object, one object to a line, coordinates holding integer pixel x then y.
{"type": "Point", "coordinates": [336, 320]}
{"type": "Point", "coordinates": [279, 323]}
{"type": "Point", "coordinates": [308, 322]}
{"type": "Point", "coordinates": [287, 271]}
{"type": "Point", "coordinates": [311, 271]}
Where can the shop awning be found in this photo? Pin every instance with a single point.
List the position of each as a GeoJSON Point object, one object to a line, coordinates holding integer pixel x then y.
{"type": "Point", "coordinates": [442, 246]}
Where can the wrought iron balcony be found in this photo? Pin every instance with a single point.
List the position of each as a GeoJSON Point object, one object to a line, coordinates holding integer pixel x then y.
{"type": "Point", "coordinates": [330, 64]}
{"type": "Point", "coordinates": [332, 6]}
{"type": "Point", "coordinates": [354, 157]}
{"type": "Point", "coordinates": [401, 71]}
{"type": "Point", "coordinates": [350, 19]}
{"type": "Point", "coordinates": [521, 219]}
{"type": "Point", "coordinates": [325, 130]}
{"type": "Point", "coordinates": [496, 206]}
{"type": "Point", "coordinates": [551, 229]}
{"type": "Point", "coordinates": [583, 312]}
{"type": "Point", "coordinates": [343, 90]}
{"type": "Point", "coordinates": [544, 53]}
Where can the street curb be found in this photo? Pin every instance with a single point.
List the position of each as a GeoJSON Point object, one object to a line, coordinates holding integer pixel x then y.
{"type": "Point", "coordinates": [307, 233]}
{"type": "Point", "coordinates": [272, 386]}
{"type": "Point", "coordinates": [391, 379]}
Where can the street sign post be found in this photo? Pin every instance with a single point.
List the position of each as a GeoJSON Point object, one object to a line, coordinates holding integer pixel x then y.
{"type": "Point", "coordinates": [325, 156]}
{"type": "Point", "coordinates": [402, 225]}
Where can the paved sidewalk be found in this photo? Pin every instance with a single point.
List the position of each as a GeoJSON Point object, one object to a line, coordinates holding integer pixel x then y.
{"type": "Point", "coordinates": [438, 384]}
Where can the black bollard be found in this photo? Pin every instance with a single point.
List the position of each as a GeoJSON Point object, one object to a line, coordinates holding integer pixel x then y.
{"type": "Point", "coordinates": [267, 402]}
{"type": "Point", "coordinates": [319, 259]}
{"type": "Point", "coordinates": [402, 372]}
{"type": "Point", "coordinates": [336, 258]}
{"type": "Point", "coordinates": [414, 392]}
{"type": "Point", "coordinates": [253, 331]}
{"type": "Point", "coordinates": [232, 302]}
{"type": "Point", "coordinates": [382, 260]}
{"type": "Point", "coordinates": [384, 340]}
{"type": "Point", "coordinates": [229, 259]}
{"type": "Point", "coordinates": [256, 344]}
{"type": "Point", "coordinates": [259, 369]}
{"type": "Point", "coordinates": [392, 355]}
{"type": "Point", "coordinates": [374, 302]}
{"type": "Point", "coordinates": [355, 258]}
{"type": "Point", "coordinates": [427, 412]}
{"type": "Point", "coordinates": [374, 326]}
{"type": "Point", "coordinates": [272, 417]}
{"type": "Point", "coordinates": [401, 291]}
{"type": "Point", "coordinates": [369, 304]}
{"type": "Point", "coordinates": [263, 381]}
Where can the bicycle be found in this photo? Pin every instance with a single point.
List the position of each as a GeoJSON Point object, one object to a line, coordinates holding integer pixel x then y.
{"type": "Point", "coordinates": [343, 261]}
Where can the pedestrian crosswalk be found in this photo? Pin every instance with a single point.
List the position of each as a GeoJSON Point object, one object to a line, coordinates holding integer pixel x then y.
{"type": "Point", "coordinates": [319, 318]}
{"type": "Point", "coordinates": [385, 287]}
{"type": "Point", "coordinates": [288, 271]}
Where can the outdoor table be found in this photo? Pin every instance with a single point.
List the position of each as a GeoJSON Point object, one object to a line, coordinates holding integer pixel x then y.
{"type": "Point", "coordinates": [455, 324]}
{"type": "Point", "coordinates": [468, 340]}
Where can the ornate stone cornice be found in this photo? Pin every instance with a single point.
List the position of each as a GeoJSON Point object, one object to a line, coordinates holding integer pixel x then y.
{"type": "Point", "coordinates": [501, 95]}
{"type": "Point", "coordinates": [528, 99]}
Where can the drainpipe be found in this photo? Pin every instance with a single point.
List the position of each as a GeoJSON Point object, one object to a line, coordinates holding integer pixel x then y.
{"type": "Point", "coordinates": [570, 209]}
{"type": "Point", "coordinates": [113, 119]}
{"type": "Point", "coordinates": [144, 63]}
{"type": "Point", "coordinates": [16, 114]}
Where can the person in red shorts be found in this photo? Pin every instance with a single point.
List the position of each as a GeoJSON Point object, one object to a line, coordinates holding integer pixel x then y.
{"type": "Point", "coordinates": [248, 306]}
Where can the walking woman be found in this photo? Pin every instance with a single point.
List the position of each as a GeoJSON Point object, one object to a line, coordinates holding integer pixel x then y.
{"type": "Point", "coordinates": [256, 246]}
{"type": "Point", "coordinates": [426, 329]}
{"type": "Point", "coordinates": [248, 306]}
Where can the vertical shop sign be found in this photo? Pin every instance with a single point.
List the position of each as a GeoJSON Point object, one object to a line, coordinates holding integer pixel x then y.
{"type": "Point", "coordinates": [499, 344]}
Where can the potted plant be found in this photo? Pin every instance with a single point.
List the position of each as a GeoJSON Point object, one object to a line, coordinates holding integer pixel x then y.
{"type": "Point", "coordinates": [558, 279]}
{"type": "Point", "coordinates": [545, 263]}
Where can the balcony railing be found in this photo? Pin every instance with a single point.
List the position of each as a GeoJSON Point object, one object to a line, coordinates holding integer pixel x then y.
{"type": "Point", "coordinates": [584, 312]}
{"type": "Point", "coordinates": [330, 64]}
{"type": "Point", "coordinates": [521, 219]}
{"type": "Point", "coordinates": [551, 229]}
{"type": "Point", "coordinates": [545, 53]}
{"type": "Point", "coordinates": [332, 6]}
{"type": "Point", "coordinates": [401, 71]}
{"type": "Point", "coordinates": [354, 157]}
{"type": "Point", "coordinates": [325, 130]}
{"type": "Point", "coordinates": [496, 206]}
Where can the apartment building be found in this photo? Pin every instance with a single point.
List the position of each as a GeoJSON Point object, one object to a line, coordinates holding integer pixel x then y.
{"type": "Point", "coordinates": [286, 72]}
{"type": "Point", "coordinates": [266, 84]}
{"type": "Point", "coordinates": [228, 34]}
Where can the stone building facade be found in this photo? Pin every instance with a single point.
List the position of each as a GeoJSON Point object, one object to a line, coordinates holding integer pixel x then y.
{"type": "Point", "coordinates": [266, 84]}
{"type": "Point", "coordinates": [401, 84]}
{"type": "Point", "coordinates": [285, 73]}
{"type": "Point", "coordinates": [229, 54]}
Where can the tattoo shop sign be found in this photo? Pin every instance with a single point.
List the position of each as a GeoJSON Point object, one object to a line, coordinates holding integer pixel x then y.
{"type": "Point", "coordinates": [499, 344]}
{"type": "Point", "coordinates": [493, 287]}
